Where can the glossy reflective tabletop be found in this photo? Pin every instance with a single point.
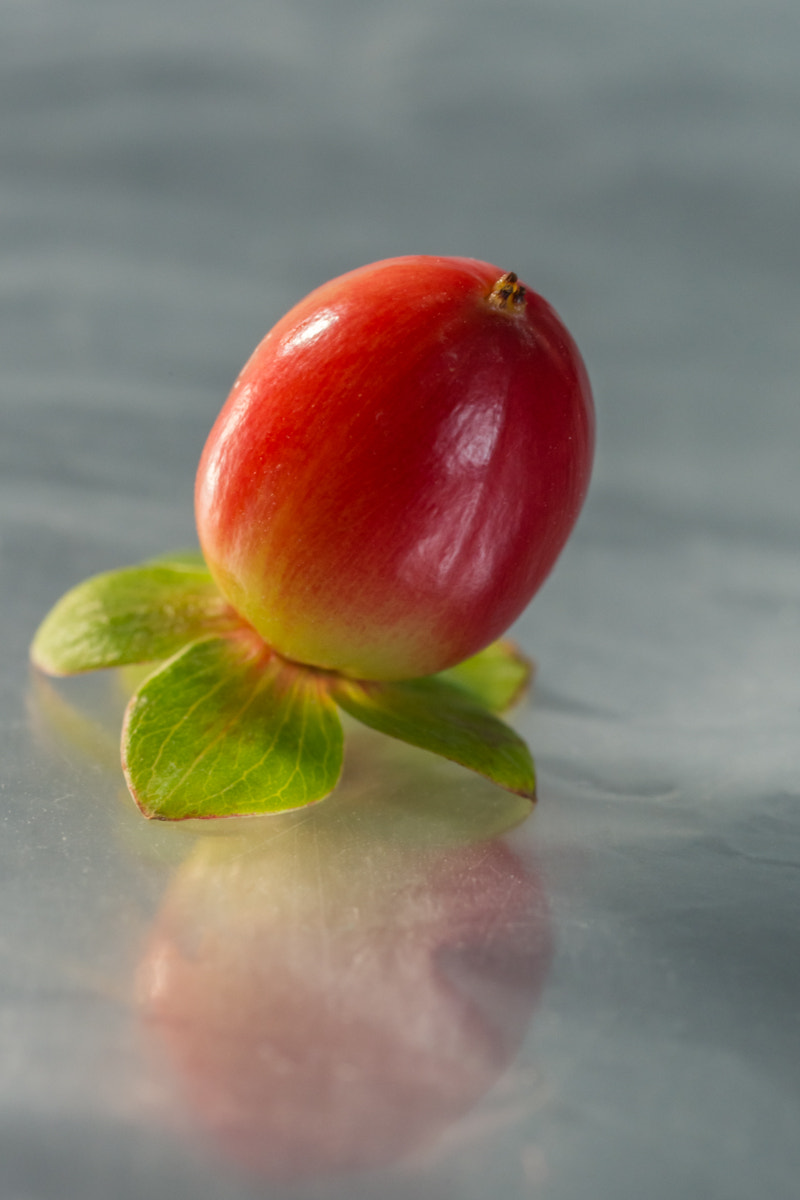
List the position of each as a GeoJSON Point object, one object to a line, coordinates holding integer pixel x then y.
{"type": "Point", "coordinates": [416, 989]}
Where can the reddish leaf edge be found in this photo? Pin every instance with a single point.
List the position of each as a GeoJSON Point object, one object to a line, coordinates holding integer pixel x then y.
{"type": "Point", "coordinates": [192, 561]}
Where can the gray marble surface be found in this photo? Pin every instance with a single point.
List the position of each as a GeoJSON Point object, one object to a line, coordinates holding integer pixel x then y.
{"type": "Point", "coordinates": [407, 993]}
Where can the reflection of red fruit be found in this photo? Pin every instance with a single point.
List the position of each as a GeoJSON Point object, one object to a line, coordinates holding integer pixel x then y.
{"type": "Point", "coordinates": [397, 468]}
{"type": "Point", "coordinates": [327, 1010]}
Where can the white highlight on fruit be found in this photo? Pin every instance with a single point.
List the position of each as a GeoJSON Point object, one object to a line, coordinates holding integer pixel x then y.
{"type": "Point", "coordinates": [308, 331]}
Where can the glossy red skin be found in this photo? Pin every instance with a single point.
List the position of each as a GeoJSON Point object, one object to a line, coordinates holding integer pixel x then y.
{"type": "Point", "coordinates": [397, 468]}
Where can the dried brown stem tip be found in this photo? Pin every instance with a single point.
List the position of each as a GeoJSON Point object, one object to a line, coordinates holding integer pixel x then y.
{"type": "Point", "coordinates": [508, 293]}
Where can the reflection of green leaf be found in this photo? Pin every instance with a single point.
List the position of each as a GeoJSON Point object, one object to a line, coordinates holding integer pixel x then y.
{"type": "Point", "coordinates": [137, 614]}
{"type": "Point", "coordinates": [226, 729]}
{"type": "Point", "coordinates": [406, 794]}
{"type": "Point", "coordinates": [442, 717]}
{"type": "Point", "coordinates": [72, 728]}
{"type": "Point", "coordinates": [496, 678]}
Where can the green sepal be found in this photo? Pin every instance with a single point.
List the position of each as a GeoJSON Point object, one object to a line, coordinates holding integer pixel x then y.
{"type": "Point", "coordinates": [137, 614]}
{"type": "Point", "coordinates": [443, 717]}
{"type": "Point", "coordinates": [225, 728]}
{"type": "Point", "coordinates": [497, 678]}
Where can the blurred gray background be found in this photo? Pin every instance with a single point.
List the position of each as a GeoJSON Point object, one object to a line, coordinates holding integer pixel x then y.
{"type": "Point", "coordinates": [173, 176]}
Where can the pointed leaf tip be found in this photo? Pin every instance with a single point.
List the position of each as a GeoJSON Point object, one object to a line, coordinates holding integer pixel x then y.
{"type": "Point", "coordinates": [226, 729]}
{"type": "Point", "coordinates": [439, 716]}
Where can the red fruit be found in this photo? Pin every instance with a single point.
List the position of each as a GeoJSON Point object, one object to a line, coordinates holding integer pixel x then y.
{"type": "Point", "coordinates": [397, 468]}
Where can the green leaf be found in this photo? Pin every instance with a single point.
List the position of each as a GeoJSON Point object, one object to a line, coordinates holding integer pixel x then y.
{"type": "Point", "coordinates": [137, 614]}
{"type": "Point", "coordinates": [442, 717]}
{"type": "Point", "coordinates": [497, 678]}
{"type": "Point", "coordinates": [225, 728]}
